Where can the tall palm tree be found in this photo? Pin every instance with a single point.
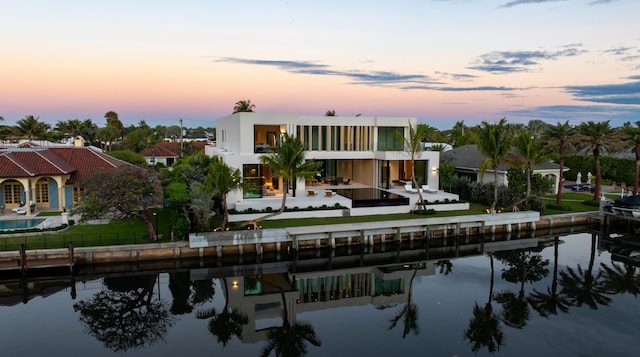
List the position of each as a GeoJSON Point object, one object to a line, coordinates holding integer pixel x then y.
{"type": "Point", "coordinates": [413, 148]}
{"type": "Point", "coordinates": [560, 134]}
{"type": "Point", "coordinates": [528, 152]}
{"type": "Point", "coordinates": [596, 136]}
{"type": "Point", "coordinates": [223, 179]}
{"type": "Point", "coordinates": [287, 160]}
{"type": "Point", "coordinates": [633, 136]}
{"type": "Point", "coordinates": [243, 106]}
{"type": "Point", "coordinates": [31, 127]}
{"type": "Point", "coordinates": [494, 141]}
{"type": "Point", "coordinates": [619, 279]}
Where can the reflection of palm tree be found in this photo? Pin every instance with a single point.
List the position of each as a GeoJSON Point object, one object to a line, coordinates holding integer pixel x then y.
{"type": "Point", "coordinates": [408, 314]}
{"type": "Point", "coordinates": [521, 267]}
{"type": "Point", "coordinates": [582, 287]}
{"type": "Point", "coordinates": [484, 326]}
{"type": "Point", "coordinates": [289, 339]}
{"type": "Point", "coordinates": [549, 303]}
{"type": "Point", "coordinates": [226, 324]}
{"type": "Point", "coordinates": [618, 280]}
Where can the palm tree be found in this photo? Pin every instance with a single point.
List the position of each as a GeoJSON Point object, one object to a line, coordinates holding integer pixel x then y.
{"type": "Point", "coordinates": [330, 113]}
{"type": "Point", "coordinates": [31, 127]}
{"type": "Point", "coordinates": [548, 303]}
{"type": "Point", "coordinates": [633, 135]}
{"type": "Point", "coordinates": [223, 179]}
{"type": "Point", "coordinates": [413, 149]}
{"type": "Point", "coordinates": [618, 280]}
{"type": "Point", "coordinates": [287, 160]}
{"type": "Point", "coordinates": [114, 121]}
{"type": "Point", "coordinates": [561, 134]}
{"type": "Point", "coordinates": [494, 141]}
{"type": "Point", "coordinates": [596, 136]}
{"type": "Point", "coordinates": [243, 106]}
{"type": "Point", "coordinates": [528, 152]}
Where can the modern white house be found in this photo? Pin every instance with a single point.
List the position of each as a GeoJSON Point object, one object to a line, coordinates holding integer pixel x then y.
{"type": "Point", "coordinates": [351, 151]}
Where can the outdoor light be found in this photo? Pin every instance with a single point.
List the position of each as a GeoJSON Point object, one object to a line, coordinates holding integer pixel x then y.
{"type": "Point", "coordinates": [235, 284]}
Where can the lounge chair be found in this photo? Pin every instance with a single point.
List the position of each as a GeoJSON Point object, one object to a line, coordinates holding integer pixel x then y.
{"type": "Point", "coordinates": [311, 193]}
{"type": "Point", "coordinates": [410, 189]}
{"type": "Point", "coordinates": [425, 188]}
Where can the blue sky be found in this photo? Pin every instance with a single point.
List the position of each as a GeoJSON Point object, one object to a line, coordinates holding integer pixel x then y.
{"type": "Point", "coordinates": [440, 61]}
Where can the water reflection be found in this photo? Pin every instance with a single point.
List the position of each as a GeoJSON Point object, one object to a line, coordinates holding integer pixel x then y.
{"type": "Point", "coordinates": [126, 314]}
{"type": "Point", "coordinates": [275, 307]}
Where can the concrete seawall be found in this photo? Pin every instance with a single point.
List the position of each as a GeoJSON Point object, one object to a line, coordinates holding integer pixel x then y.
{"type": "Point", "coordinates": [220, 244]}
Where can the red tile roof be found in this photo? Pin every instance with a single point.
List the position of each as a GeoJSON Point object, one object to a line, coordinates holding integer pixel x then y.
{"type": "Point", "coordinates": [30, 159]}
{"type": "Point", "coordinates": [171, 148]}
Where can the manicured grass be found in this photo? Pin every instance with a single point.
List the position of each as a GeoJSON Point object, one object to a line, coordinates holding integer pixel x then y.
{"type": "Point", "coordinates": [571, 202]}
{"type": "Point", "coordinates": [116, 232]}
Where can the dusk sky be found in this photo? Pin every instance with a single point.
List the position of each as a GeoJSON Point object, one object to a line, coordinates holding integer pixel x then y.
{"type": "Point", "coordinates": [441, 61]}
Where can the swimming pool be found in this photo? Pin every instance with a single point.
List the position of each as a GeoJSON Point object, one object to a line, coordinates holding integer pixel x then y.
{"type": "Point", "coordinates": [372, 197]}
{"type": "Point", "coordinates": [20, 223]}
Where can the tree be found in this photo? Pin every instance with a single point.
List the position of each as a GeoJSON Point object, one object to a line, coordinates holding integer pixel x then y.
{"type": "Point", "coordinates": [633, 136]}
{"type": "Point", "coordinates": [222, 179]}
{"type": "Point", "coordinates": [128, 156]}
{"type": "Point", "coordinates": [330, 113]}
{"type": "Point", "coordinates": [494, 141]}
{"type": "Point", "coordinates": [120, 193]}
{"type": "Point", "coordinates": [106, 136]}
{"type": "Point", "coordinates": [31, 127]}
{"type": "Point", "coordinates": [560, 134]}
{"type": "Point", "coordinates": [114, 121]}
{"type": "Point", "coordinates": [446, 172]}
{"type": "Point", "coordinates": [413, 150]}
{"type": "Point", "coordinates": [528, 152]}
{"type": "Point", "coordinates": [201, 203]}
{"type": "Point", "coordinates": [243, 106]}
{"type": "Point", "coordinates": [596, 135]}
{"type": "Point", "coordinates": [287, 161]}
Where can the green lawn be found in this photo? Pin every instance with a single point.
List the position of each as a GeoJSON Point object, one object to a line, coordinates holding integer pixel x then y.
{"type": "Point", "coordinates": [127, 231]}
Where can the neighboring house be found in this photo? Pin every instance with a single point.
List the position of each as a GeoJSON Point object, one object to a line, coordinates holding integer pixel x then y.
{"type": "Point", "coordinates": [468, 159]}
{"type": "Point", "coordinates": [364, 150]}
{"type": "Point", "coordinates": [48, 174]}
{"type": "Point", "coordinates": [167, 152]}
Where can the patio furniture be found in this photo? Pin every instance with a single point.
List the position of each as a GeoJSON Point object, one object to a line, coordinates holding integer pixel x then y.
{"type": "Point", "coordinates": [410, 189]}
{"type": "Point", "coordinates": [346, 182]}
{"type": "Point", "coordinates": [311, 193]}
{"type": "Point", "coordinates": [427, 189]}
{"type": "Point", "coordinates": [329, 193]}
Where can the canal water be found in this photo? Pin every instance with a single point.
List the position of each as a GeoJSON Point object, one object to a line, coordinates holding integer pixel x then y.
{"type": "Point", "coordinates": [566, 295]}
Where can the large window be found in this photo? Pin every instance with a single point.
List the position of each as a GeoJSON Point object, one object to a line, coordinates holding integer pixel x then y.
{"type": "Point", "coordinates": [390, 138]}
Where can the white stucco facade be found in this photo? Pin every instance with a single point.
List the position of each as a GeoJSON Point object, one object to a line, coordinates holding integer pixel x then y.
{"type": "Point", "coordinates": [361, 149]}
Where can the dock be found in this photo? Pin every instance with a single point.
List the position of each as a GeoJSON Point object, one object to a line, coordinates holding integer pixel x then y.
{"type": "Point", "coordinates": [25, 261]}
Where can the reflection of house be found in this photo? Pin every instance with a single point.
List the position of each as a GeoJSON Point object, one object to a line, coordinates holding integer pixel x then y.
{"type": "Point", "coordinates": [167, 152]}
{"type": "Point", "coordinates": [467, 160]}
{"type": "Point", "coordinates": [47, 174]}
{"type": "Point", "coordinates": [259, 296]}
{"type": "Point", "coordinates": [367, 150]}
